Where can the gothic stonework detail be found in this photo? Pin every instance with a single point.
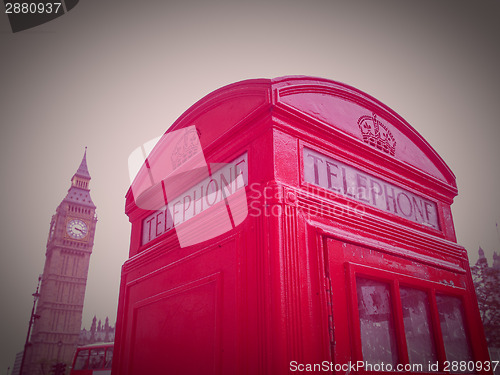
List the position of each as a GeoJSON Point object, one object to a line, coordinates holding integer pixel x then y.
{"type": "Point", "coordinates": [376, 134]}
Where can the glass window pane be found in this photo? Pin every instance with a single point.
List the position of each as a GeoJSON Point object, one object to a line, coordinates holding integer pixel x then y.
{"type": "Point", "coordinates": [109, 358]}
{"type": "Point", "coordinates": [376, 321]}
{"type": "Point", "coordinates": [452, 319]}
{"type": "Point", "coordinates": [96, 358]}
{"type": "Point", "coordinates": [82, 360]}
{"type": "Point", "coordinates": [418, 329]}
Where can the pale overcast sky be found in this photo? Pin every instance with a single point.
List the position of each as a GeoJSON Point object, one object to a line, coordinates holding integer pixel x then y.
{"type": "Point", "coordinates": [112, 75]}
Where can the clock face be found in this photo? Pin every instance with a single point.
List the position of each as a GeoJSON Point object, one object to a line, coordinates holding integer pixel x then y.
{"type": "Point", "coordinates": [77, 228]}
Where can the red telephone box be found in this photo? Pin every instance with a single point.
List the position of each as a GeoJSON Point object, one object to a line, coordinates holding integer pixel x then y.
{"type": "Point", "coordinates": [295, 225]}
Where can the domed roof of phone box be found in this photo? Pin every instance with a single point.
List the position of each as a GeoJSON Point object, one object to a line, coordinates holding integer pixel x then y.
{"type": "Point", "coordinates": [321, 107]}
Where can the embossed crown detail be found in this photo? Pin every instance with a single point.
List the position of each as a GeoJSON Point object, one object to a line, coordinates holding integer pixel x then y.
{"type": "Point", "coordinates": [186, 148]}
{"type": "Point", "coordinates": [376, 134]}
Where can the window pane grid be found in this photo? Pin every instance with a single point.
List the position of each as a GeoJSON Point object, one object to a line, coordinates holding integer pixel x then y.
{"type": "Point", "coordinates": [404, 324]}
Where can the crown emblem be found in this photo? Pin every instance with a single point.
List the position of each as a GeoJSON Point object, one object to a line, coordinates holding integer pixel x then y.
{"type": "Point", "coordinates": [186, 147]}
{"type": "Point", "coordinates": [376, 134]}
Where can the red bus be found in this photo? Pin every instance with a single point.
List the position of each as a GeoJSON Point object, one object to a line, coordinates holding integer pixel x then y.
{"type": "Point", "coordinates": [93, 359]}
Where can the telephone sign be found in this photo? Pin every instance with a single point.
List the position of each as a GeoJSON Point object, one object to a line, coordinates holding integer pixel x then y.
{"type": "Point", "coordinates": [351, 182]}
{"type": "Point", "coordinates": [214, 189]}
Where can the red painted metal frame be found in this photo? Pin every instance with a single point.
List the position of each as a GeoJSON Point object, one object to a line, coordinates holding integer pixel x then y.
{"type": "Point", "coordinates": [395, 280]}
{"type": "Point", "coordinates": [277, 288]}
{"type": "Point", "coordinates": [345, 297]}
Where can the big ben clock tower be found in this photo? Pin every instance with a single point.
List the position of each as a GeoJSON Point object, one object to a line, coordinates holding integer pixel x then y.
{"type": "Point", "coordinates": [59, 310]}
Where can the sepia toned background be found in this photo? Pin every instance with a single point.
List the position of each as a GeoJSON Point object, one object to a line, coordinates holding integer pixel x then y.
{"type": "Point", "coordinates": [111, 75]}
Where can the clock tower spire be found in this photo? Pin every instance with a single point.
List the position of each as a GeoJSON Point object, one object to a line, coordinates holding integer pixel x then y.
{"type": "Point", "coordinates": [82, 177]}
{"type": "Point", "coordinates": [60, 305]}
{"type": "Point", "coordinates": [79, 192]}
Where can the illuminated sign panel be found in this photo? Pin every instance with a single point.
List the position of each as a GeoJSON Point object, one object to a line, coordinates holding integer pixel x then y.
{"type": "Point", "coordinates": [222, 184]}
{"type": "Point", "coordinates": [348, 181]}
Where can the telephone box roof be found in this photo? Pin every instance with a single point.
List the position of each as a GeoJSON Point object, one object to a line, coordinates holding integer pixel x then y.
{"type": "Point", "coordinates": [330, 106]}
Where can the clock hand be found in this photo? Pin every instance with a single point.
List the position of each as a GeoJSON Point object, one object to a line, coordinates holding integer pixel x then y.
{"type": "Point", "coordinates": [78, 229]}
